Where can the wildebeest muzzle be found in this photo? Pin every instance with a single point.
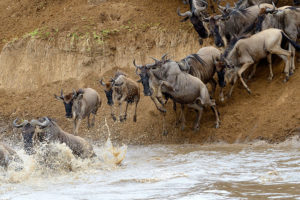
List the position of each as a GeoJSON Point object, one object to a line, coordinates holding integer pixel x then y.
{"type": "Point", "coordinates": [68, 108]}
{"type": "Point", "coordinates": [108, 94]}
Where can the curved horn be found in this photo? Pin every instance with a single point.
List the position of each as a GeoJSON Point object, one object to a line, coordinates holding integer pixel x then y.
{"type": "Point", "coordinates": [186, 14]}
{"type": "Point", "coordinates": [19, 125]}
{"type": "Point", "coordinates": [163, 57]}
{"type": "Point", "coordinates": [200, 9]}
{"type": "Point", "coordinates": [268, 10]}
{"type": "Point", "coordinates": [136, 66]}
{"type": "Point", "coordinates": [221, 7]}
{"type": "Point", "coordinates": [222, 11]}
{"type": "Point", "coordinates": [101, 82]}
{"type": "Point", "coordinates": [74, 92]}
{"type": "Point", "coordinates": [156, 61]}
{"type": "Point", "coordinates": [35, 122]}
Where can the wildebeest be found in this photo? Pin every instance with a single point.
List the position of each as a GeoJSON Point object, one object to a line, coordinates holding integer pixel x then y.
{"type": "Point", "coordinates": [202, 65]}
{"type": "Point", "coordinates": [120, 89]}
{"type": "Point", "coordinates": [224, 27]}
{"type": "Point", "coordinates": [248, 3]}
{"type": "Point", "coordinates": [286, 19]}
{"type": "Point", "coordinates": [195, 15]}
{"type": "Point", "coordinates": [46, 130]}
{"type": "Point", "coordinates": [7, 155]}
{"type": "Point", "coordinates": [182, 87]}
{"type": "Point", "coordinates": [80, 104]}
{"type": "Point", "coordinates": [248, 51]}
{"type": "Point", "coordinates": [185, 89]}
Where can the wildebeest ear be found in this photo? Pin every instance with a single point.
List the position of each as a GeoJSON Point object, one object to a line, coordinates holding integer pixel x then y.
{"type": "Point", "coordinates": [58, 97]}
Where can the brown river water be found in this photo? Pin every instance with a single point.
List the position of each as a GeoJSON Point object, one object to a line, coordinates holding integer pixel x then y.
{"type": "Point", "coordinates": [214, 171]}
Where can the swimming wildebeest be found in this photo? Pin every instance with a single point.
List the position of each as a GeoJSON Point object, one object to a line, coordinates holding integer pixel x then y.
{"type": "Point", "coordinates": [80, 104]}
{"type": "Point", "coordinates": [183, 88]}
{"type": "Point", "coordinates": [202, 65]}
{"type": "Point", "coordinates": [195, 15]}
{"type": "Point", "coordinates": [7, 155]}
{"type": "Point", "coordinates": [224, 27]}
{"type": "Point", "coordinates": [286, 18]}
{"type": "Point", "coordinates": [248, 51]}
{"type": "Point", "coordinates": [45, 130]}
{"type": "Point", "coordinates": [120, 89]}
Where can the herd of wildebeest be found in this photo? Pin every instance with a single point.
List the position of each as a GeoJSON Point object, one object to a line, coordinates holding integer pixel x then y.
{"type": "Point", "coordinates": [246, 33]}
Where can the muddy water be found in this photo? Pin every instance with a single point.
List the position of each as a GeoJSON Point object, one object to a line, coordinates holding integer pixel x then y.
{"type": "Point", "coordinates": [219, 171]}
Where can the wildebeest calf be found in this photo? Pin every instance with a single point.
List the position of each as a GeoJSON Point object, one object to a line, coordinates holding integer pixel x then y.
{"type": "Point", "coordinates": [120, 89]}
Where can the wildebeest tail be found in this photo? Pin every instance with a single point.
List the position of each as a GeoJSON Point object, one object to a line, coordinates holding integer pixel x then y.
{"type": "Point", "coordinates": [295, 45]}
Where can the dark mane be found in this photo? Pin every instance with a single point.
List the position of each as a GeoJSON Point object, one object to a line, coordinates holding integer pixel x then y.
{"type": "Point", "coordinates": [259, 21]}
{"type": "Point", "coordinates": [119, 73]}
{"type": "Point", "coordinates": [237, 12]}
{"type": "Point", "coordinates": [232, 44]}
{"type": "Point", "coordinates": [196, 57]}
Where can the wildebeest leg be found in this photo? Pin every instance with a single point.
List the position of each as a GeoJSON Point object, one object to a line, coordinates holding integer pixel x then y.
{"type": "Point", "coordinates": [88, 120]}
{"type": "Point", "coordinates": [125, 114]}
{"type": "Point", "coordinates": [213, 84]}
{"type": "Point", "coordinates": [269, 58]}
{"type": "Point", "coordinates": [93, 120]}
{"type": "Point", "coordinates": [240, 72]}
{"type": "Point", "coordinates": [199, 110]}
{"type": "Point", "coordinates": [112, 113]}
{"type": "Point", "coordinates": [157, 104]}
{"type": "Point", "coordinates": [165, 132]}
{"type": "Point", "coordinates": [232, 86]}
{"type": "Point", "coordinates": [182, 117]}
{"type": "Point", "coordinates": [286, 56]}
{"type": "Point", "coordinates": [134, 117]}
{"type": "Point", "coordinates": [216, 112]}
{"type": "Point", "coordinates": [76, 125]}
{"type": "Point", "coordinates": [292, 65]}
{"type": "Point", "coordinates": [221, 95]}
{"type": "Point", "coordinates": [252, 72]}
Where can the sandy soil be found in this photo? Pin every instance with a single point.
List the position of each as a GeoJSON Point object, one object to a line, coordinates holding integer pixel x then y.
{"type": "Point", "coordinates": [270, 113]}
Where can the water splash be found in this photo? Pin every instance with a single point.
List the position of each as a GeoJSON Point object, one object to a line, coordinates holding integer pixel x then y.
{"type": "Point", "coordinates": [112, 155]}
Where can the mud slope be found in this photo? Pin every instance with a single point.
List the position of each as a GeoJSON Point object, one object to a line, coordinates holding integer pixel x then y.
{"type": "Point", "coordinates": [72, 44]}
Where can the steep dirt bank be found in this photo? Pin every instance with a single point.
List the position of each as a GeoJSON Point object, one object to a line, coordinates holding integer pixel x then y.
{"type": "Point", "coordinates": [73, 44]}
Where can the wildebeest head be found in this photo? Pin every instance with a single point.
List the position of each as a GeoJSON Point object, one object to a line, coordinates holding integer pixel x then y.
{"type": "Point", "coordinates": [267, 19]}
{"type": "Point", "coordinates": [214, 25]}
{"type": "Point", "coordinates": [107, 87]}
{"type": "Point", "coordinates": [220, 69]}
{"type": "Point", "coordinates": [29, 133]}
{"type": "Point", "coordinates": [144, 78]}
{"type": "Point", "coordinates": [195, 16]}
{"type": "Point", "coordinates": [145, 75]}
{"type": "Point", "coordinates": [226, 71]}
{"type": "Point", "coordinates": [68, 102]}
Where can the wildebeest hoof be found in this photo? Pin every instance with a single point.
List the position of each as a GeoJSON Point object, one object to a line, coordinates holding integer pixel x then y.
{"type": "Point", "coordinates": [286, 79]}
{"type": "Point", "coordinates": [291, 73]}
{"type": "Point", "coordinates": [162, 110]}
{"type": "Point", "coordinates": [249, 91]}
{"type": "Point", "coordinates": [114, 118]}
{"type": "Point", "coordinates": [196, 128]}
{"type": "Point", "coordinates": [121, 119]}
{"type": "Point", "coordinates": [165, 133]}
{"type": "Point", "coordinates": [270, 78]}
{"type": "Point", "coordinates": [217, 125]}
{"type": "Point", "coordinates": [134, 118]}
